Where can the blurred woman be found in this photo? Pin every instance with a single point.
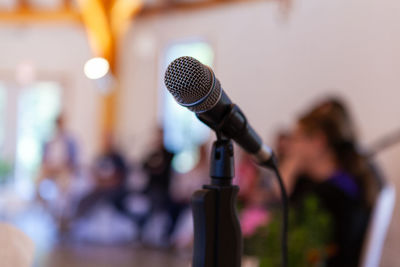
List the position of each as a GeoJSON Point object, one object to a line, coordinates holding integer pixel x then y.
{"type": "Point", "coordinates": [109, 172]}
{"type": "Point", "coordinates": [323, 160]}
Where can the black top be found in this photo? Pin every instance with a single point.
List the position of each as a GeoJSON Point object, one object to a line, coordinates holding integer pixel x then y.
{"type": "Point", "coordinates": [112, 165]}
{"type": "Point", "coordinates": [343, 200]}
{"type": "Point", "coordinates": [158, 167]}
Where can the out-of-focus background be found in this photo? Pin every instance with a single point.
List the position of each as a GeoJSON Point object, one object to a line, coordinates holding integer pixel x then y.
{"type": "Point", "coordinates": [84, 110]}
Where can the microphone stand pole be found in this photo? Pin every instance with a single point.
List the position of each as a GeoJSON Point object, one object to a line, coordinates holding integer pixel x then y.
{"type": "Point", "coordinates": [217, 234]}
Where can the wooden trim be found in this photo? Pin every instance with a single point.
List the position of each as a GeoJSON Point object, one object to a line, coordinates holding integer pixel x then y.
{"type": "Point", "coordinates": [25, 13]}
{"type": "Point", "coordinates": [29, 15]}
{"type": "Point", "coordinates": [67, 4]}
{"type": "Point", "coordinates": [23, 4]}
{"type": "Point", "coordinates": [171, 7]}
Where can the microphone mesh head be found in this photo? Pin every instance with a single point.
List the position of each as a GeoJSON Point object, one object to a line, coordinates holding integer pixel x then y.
{"type": "Point", "coordinates": [192, 84]}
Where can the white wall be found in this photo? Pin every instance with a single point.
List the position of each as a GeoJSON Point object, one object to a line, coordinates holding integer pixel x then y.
{"type": "Point", "coordinates": [275, 68]}
{"type": "Point", "coordinates": [57, 52]}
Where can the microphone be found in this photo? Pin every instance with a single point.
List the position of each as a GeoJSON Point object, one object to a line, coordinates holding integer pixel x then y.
{"type": "Point", "coordinates": [195, 86]}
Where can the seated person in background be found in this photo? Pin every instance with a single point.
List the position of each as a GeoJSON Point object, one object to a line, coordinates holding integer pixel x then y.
{"type": "Point", "coordinates": [323, 160]}
{"type": "Point", "coordinates": [110, 173]}
{"type": "Point", "coordinates": [183, 185]}
{"type": "Point", "coordinates": [59, 158]}
{"type": "Point", "coordinates": [59, 167]}
{"type": "Point", "coordinates": [157, 167]}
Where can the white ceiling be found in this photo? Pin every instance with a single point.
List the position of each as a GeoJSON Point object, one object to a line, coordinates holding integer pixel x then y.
{"type": "Point", "coordinates": [37, 4]}
{"type": "Point", "coordinates": [7, 4]}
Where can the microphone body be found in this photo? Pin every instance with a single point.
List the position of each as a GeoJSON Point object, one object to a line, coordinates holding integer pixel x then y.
{"type": "Point", "coordinates": [232, 123]}
{"type": "Point", "coordinates": [195, 86]}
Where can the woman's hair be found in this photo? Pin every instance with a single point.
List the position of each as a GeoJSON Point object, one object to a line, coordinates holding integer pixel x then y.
{"type": "Point", "coordinates": [332, 119]}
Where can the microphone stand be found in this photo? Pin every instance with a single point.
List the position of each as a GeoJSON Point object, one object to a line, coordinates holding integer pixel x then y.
{"type": "Point", "coordinates": [217, 234]}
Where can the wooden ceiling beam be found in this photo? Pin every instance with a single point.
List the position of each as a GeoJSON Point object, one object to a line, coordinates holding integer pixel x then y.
{"type": "Point", "coordinates": [28, 15]}
{"type": "Point", "coordinates": [23, 5]}
{"type": "Point", "coordinates": [67, 4]}
{"type": "Point", "coordinates": [25, 13]}
{"type": "Point", "coordinates": [189, 6]}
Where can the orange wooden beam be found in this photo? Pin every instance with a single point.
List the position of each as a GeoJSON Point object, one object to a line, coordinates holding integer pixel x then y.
{"type": "Point", "coordinates": [171, 6]}
{"type": "Point", "coordinates": [23, 4]}
{"type": "Point", "coordinates": [32, 16]}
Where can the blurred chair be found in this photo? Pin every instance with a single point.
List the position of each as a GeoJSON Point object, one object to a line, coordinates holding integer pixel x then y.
{"type": "Point", "coordinates": [16, 248]}
{"type": "Point", "coordinates": [378, 226]}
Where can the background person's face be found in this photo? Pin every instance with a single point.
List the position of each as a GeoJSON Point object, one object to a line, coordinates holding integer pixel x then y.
{"type": "Point", "coordinates": [307, 146]}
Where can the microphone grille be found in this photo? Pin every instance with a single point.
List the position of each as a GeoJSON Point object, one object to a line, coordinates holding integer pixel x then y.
{"type": "Point", "coordinates": [190, 82]}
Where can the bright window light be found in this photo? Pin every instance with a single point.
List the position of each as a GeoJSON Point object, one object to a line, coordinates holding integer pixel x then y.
{"type": "Point", "coordinates": [96, 68]}
{"type": "Point", "coordinates": [38, 107]}
{"type": "Point", "coordinates": [183, 132]}
{"type": "Point", "coordinates": [182, 129]}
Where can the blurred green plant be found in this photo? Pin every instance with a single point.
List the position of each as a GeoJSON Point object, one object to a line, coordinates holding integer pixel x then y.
{"type": "Point", "coordinates": [310, 236]}
{"type": "Point", "coordinates": [5, 170]}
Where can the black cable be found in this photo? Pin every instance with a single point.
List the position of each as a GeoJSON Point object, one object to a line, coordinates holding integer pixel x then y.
{"type": "Point", "coordinates": [285, 215]}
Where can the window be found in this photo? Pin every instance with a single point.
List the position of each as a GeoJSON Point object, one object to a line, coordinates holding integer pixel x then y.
{"type": "Point", "coordinates": [183, 132]}
{"type": "Point", "coordinates": [38, 107]}
{"type": "Point", "coordinates": [181, 127]}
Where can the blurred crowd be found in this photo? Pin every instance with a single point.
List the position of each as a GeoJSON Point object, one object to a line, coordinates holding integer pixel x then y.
{"type": "Point", "coordinates": [148, 202]}
{"type": "Point", "coordinates": [117, 201]}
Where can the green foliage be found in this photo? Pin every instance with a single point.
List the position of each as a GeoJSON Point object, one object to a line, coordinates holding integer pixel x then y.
{"type": "Point", "coordinates": [309, 236]}
{"type": "Point", "coordinates": [5, 170]}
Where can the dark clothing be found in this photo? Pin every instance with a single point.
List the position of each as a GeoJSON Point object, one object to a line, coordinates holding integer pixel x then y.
{"type": "Point", "coordinates": [175, 209]}
{"type": "Point", "coordinates": [114, 197]}
{"type": "Point", "coordinates": [110, 172]}
{"type": "Point", "coordinates": [342, 198]}
{"type": "Point", "coordinates": [112, 166]}
{"type": "Point", "coordinates": [158, 167]}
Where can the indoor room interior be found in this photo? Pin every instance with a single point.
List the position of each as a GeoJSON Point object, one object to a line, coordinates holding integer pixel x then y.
{"type": "Point", "coordinates": [98, 162]}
